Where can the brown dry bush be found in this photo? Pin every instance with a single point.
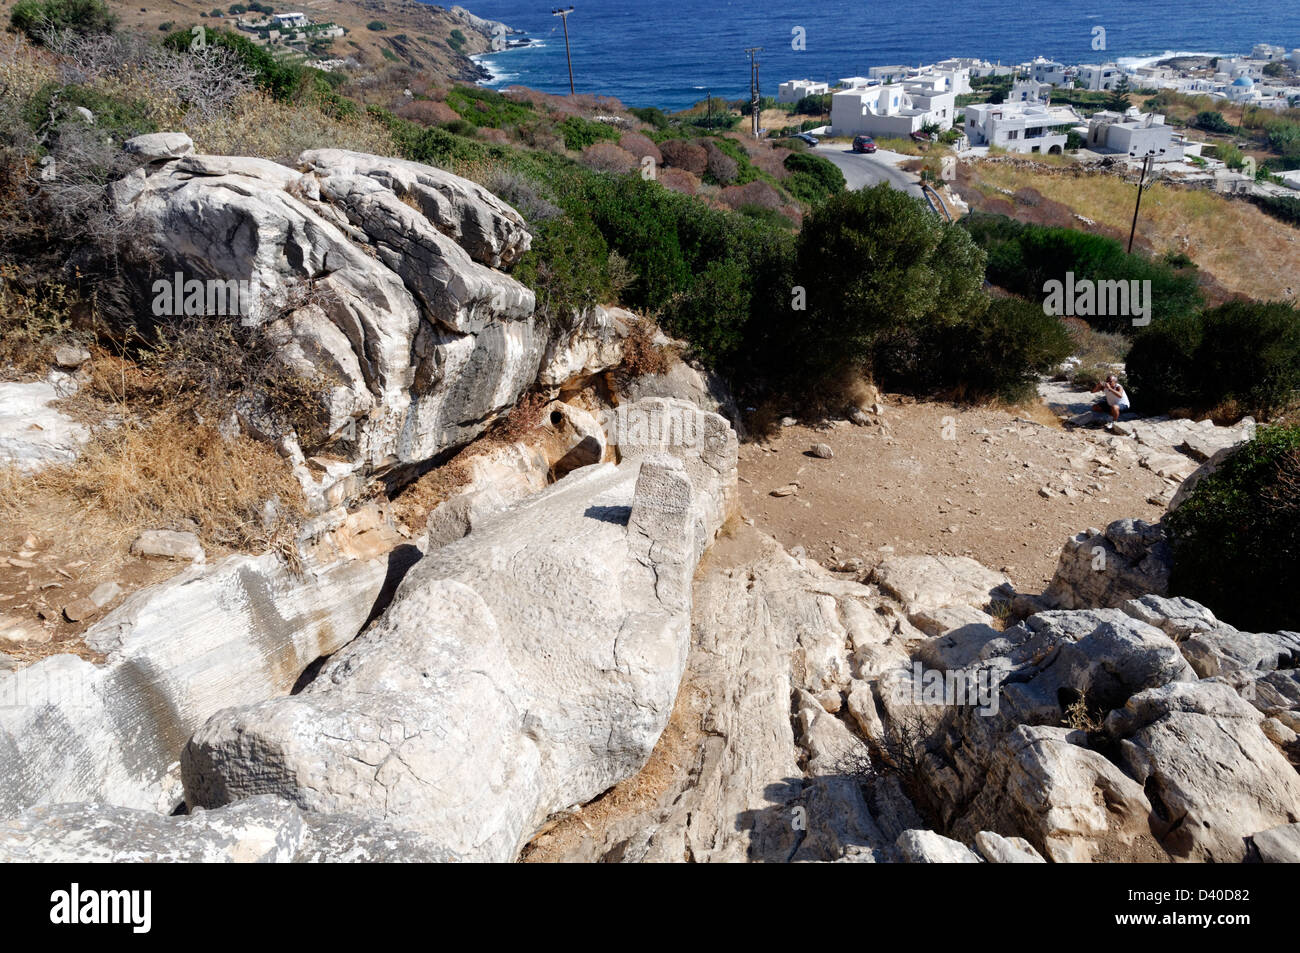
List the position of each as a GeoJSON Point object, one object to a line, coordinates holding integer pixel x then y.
{"type": "Point", "coordinates": [685, 155]}
{"type": "Point", "coordinates": [427, 112]}
{"type": "Point", "coordinates": [756, 193]}
{"type": "Point", "coordinates": [641, 146]}
{"type": "Point", "coordinates": [721, 166]}
{"type": "Point", "coordinates": [679, 180]}
{"type": "Point", "coordinates": [607, 157]}
{"type": "Point", "coordinates": [641, 355]}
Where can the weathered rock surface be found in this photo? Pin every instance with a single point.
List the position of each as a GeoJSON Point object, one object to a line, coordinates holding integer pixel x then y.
{"type": "Point", "coordinates": [925, 583]}
{"type": "Point", "coordinates": [771, 630]}
{"type": "Point", "coordinates": [1213, 777]}
{"type": "Point", "coordinates": [33, 434]}
{"type": "Point", "coordinates": [235, 632]}
{"type": "Point", "coordinates": [1129, 560]}
{"type": "Point", "coordinates": [1281, 845]}
{"type": "Point", "coordinates": [375, 274]}
{"type": "Point", "coordinates": [520, 670]}
{"type": "Point", "coordinates": [256, 830]}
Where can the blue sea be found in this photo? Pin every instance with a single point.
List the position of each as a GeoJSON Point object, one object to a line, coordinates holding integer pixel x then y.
{"type": "Point", "coordinates": [672, 52]}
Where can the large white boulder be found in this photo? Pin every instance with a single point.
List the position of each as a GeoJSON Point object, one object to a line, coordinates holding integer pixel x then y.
{"type": "Point", "coordinates": [239, 631]}
{"type": "Point", "coordinates": [523, 669]}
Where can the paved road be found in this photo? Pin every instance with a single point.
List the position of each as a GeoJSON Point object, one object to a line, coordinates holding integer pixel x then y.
{"type": "Point", "coordinates": [863, 171]}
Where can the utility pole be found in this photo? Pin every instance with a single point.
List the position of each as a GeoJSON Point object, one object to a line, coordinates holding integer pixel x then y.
{"type": "Point", "coordinates": [1142, 186]}
{"type": "Point", "coordinates": [564, 17]}
{"type": "Point", "coordinates": [754, 97]}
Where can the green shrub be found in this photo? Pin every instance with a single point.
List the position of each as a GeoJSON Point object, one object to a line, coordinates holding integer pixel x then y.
{"type": "Point", "coordinates": [1236, 538]}
{"type": "Point", "coordinates": [579, 133]}
{"type": "Point", "coordinates": [460, 127]}
{"type": "Point", "coordinates": [456, 40]}
{"type": "Point", "coordinates": [487, 107]}
{"type": "Point", "coordinates": [1212, 121]}
{"type": "Point", "coordinates": [998, 353]}
{"type": "Point", "coordinates": [377, 26]}
{"type": "Point", "coordinates": [874, 261]}
{"type": "Point", "coordinates": [653, 115]}
{"type": "Point", "coordinates": [1250, 354]}
{"type": "Point", "coordinates": [813, 178]}
{"type": "Point", "coordinates": [1161, 365]}
{"type": "Point", "coordinates": [1242, 354]}
{"type": "Point", "coordinates": [566, 266]}
{"type": "Point", "coordinates": [33, 17]}
{"type": "Point", "coordinates": [1022, 258]}
{"type": "Point", "coordinates": [813, 105]}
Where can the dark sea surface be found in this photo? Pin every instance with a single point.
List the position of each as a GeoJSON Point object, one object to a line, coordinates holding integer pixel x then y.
{"type": "Point", "coordinates": [670, 53]}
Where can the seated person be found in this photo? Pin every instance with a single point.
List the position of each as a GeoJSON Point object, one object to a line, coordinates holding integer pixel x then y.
{"type": "Point", "coordinates": [1116, 399]}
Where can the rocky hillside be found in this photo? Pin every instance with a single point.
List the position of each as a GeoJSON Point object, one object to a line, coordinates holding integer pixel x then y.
{"type": "Point", "coordinates": [585, 625]}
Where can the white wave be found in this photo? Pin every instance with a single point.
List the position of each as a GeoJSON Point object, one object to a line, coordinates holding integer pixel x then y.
{"type": "Point", "coordinates": [1133, 62]}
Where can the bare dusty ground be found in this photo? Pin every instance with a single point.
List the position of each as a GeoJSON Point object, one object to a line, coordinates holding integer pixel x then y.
{"type": "Point", "coordinates": [943, 479]}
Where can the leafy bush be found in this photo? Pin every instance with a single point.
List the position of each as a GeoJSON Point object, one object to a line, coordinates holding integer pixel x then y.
{"type": "Point", "coordinates": [377, 25]}
{"type": "Point", "coordinates": [1242, 354]}
{"type": "Point", "coordinates": [875, 260]}
{"type": "Point", "coordinates": [1236, 538]}
{"type": "Point", "coordinates": [813, 178]}
{"type": "Point", "coordinates": [34, 17]}
{"type": "Point", "coordinates": [1023, 258]}
{"type": "Point", "coordinates": [579, 133]}
{"type": "Point", "coordinates": [487, 107]}
{"type": "Point", "coordinates": [1212, 121]}
{"type": "Point", "coordinates": [566, 266]}
{"type": "Point", "coordinates": [653, 115]}
{"type": "Point", "coordinates": [998, 353]}
{"type": "Point", "coordinates": [813, 105]}
{"type": "Point", "coordinates": [456, 40]}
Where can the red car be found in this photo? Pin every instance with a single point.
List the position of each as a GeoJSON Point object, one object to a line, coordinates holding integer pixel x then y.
{"type": "Point", "coordinates": [864, 144]}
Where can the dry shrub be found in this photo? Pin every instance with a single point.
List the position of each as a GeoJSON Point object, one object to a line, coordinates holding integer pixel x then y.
{"type": "Point", "coordinates": [496, 137]}
{"type": "Point", "coordinates": [427, 112]}
{"type": "Point", "coordinates": [679, 180]}
{"type": "Point", "coordinates": [771, 161]}
{"type": "Point", "coordinates": [257, 125]}
{"type": "Point", "coordinates": [607, 157]}
{"type": "Point", "coordinates": [641, 355]}
{"type": "Point", "coordinates": [32, 325]}
{"type": "Point", "coordinates": [721, 166]}
{"type": "Point", "coordinates": [685, 155]}
{"type": "Point", "coordinates": [641, 146]}
{"type": "Point", "coordinates": [756, 193]}
{"type": "Point", "coordinates": [169, 467]}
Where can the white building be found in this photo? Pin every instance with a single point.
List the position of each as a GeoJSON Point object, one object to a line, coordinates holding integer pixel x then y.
{"type": "Point", "coordinates": [893, 109]}
{"type": "Point", "coordinates": [890, 74]}
{"type": "Point", "coordinates": [1047, 71]}
{"type": "Point", "coordinates": [1106, 76]}
{"type": "Point", "coordinates": [1029, 91]}
{"type": "Point", "coordinates": [1266, 51]}
{"type": "Point", "coordinates": [854, 82]}
{"type": "Point", "coordinates": [1133, 133]}
{"type": "Point", "coordinates": [290, 19]}
{"type": "Point", "coordinates": [797, 89]}
{"type": "Point", "coordinates": [1020, 127]}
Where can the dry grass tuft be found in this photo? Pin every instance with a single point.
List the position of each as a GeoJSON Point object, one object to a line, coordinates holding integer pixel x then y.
{"type": "Point", "coordinates": [162, 473]}
{"type": "Point", "coordinates": [641, 355]}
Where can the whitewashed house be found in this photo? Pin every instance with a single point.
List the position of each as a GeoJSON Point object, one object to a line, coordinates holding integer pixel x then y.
{"type": "Point", "coordinates": [797, 89]}
{"type": "Point", "coordinates": [283, 20]}
{"type": "Point", "coordinates": [1133, 133]}
{"type": "Point", "coordinates": [893, 109]}
{"type": "Point", "coordinates": [1020, 127]}
{"type": "Point", "coordinates": [1029, 91]}
{"type": "Point", "coordinates": [1106, 76]}
{"type": "Point", "coordinates": [1047, 71]}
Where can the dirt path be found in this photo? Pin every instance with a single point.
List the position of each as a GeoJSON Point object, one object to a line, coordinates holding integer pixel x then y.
{"type": "Point", "coordinates": [940, 479]}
